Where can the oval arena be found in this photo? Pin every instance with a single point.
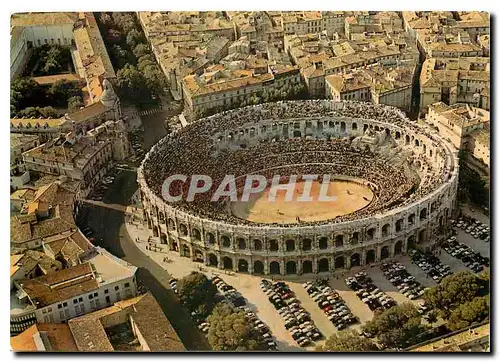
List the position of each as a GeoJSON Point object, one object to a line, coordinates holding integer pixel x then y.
{"type": "Point", "coordinates": [396, 184]}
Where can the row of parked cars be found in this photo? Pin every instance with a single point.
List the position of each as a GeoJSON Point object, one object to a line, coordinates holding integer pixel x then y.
{"type": "Point", "coordinates": [261, 328]}
{"type": "Point", "coordinates": [368, 292]}
{"type": "Point", "coordinates": [474, 261]}
{"type": "Point", "coordinates": [430, 264]}
{"type": "Point", "coordinates": [397, 275]}
{"type": "Point", "coordinates": [473, 227]}
{"type": "Point", "coordinates": [297, 320]}
{"type": "Point", "coordinates": [232, 295]}
{"type": "Point", "coordinates": [331, 303]}
{"type": "Point", "coordinates": [98, 192]}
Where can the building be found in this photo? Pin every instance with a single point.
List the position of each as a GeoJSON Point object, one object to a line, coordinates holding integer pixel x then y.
{"type": "Point", "coordinates": [479, 145]}
{"type": "Point", "coordinates": [307, 22]}
{"type": "Point", "coordinates": [136, 324]}
{"type": "Point", "coordinates": [20, 143]}
{"type": "Point", "coordinates": [457, 122]}
{"type": "Point", "coordinates": [98, 281]}
{"type": "Point", "coordinates": [347, 87]}
{"type": "Point", "coordinates": [44, 337]}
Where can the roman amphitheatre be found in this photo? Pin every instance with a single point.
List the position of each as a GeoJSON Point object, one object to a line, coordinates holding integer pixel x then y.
{"type": "Point", "coordinates": [395, 181]}
{"type": "Point", "coordinates": [349, 197]}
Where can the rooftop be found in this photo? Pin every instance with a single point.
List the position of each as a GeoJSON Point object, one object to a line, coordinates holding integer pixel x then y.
{"type": "Point", "coordinates": [49, 337]}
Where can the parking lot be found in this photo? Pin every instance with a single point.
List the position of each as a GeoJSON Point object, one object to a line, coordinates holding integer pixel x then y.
{"type": "Point", "coordinates": [257, 301]}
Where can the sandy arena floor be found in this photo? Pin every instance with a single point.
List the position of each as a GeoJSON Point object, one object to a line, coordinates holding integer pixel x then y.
{"type": "Point", "coordinates": [350, 197]}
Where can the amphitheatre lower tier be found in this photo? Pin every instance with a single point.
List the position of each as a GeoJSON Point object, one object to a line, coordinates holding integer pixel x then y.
{"type": "Point", "coordinates": [412, 173]}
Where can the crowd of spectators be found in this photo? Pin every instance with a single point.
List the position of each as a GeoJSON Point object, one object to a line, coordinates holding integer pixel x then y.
{"type": "Point", "coordinates": [193, 151]}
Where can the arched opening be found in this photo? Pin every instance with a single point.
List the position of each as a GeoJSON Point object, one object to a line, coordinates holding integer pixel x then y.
{"type": "Point", "coordinates": [297, 134]}
{"type": "Point", "coordinates": [370, 234]}
{"type": "Point", "coordinates": [399, 225]}
{"type": "Point", "coordinates": [441, 221]}
{"type": "Point", "coordinates": [273, 245]}
{"type": "Point", "coordinates": [198, 256]}
{"type": "Point", "coordinates": [339, 262]}
{"type": "Point", "coordinates": [291, 267]}
{"type": "Point", "coordinates": [384, 253]}
{"type": "Point", "coordinates": [242, 244]}
{"type": "Point", "coordinates": [210, 238]}
{"type": "Point", "coordinates": [185, 251]}
{"type": "Point", "coordinates": [365, 127]}
{"type": "Point", "coordinates": [226, 242]}
{"type": "Point", "coordinates": [290, 245]}
{"type": "Point", "coordinates": [398, 135]}
{"type": "Point", "coordinates": [355, 237]}
{"type": "Point", "coordinates": [196, 234]}
{"type": "Point", "coordinates": [323, 243]}
{"type": "Point", "coordinates": [274, 268]}
{"type": "Point", "coordinates": [243, 266]}
{"type": "Point", "coordinates": [183, 229]}
{"type": "Point", "coordinates": [370, 256]}
{"type": "Point", "coordinates": [421, 236]}
{"type": "Point", "coordinates": [411, 219]}
{"type": "Point", "coordinates": [307, 267]}
{"type": "Point", "coordinates": [342, 126]}
{"type": "Point", "coordinates": [163, 238]}
{"type": "Point", "coordinates": [257, 244]}
{"type": "Point", "coordinates": [212, 260]}
{"type": "Point", "coordinates": [407, 140]}
{"type": "Point", "coordinates": [423, 214]}
{"type": "Point", "coordinates": [306, 244]}
{"type": "Point", "coordinates": [339, 241]}
{"type": "Point", "coordinates": [171, 224]}
{"type": "Point", "coordinates": [227, 263]}
{"type": "Point", "coordinates": [323, 265]}
{"type": "Point", "coordinates": [155, 232]}
{"type": "Point", "coordinates": [354, 126]}
{"type": "Point", "coordinates": [161, 216]}
{"type": "Point", "coordinates": [424, 147]}
{"type": "Point", "coordinates": [355, 260]}
{"type": "Point", "coordinates": [377, 128]}
{"type": "Point", "coordinates": [411, 242]}
{"type": "Point", "coordinates": [398, 248]}
{"type": "Point", "coordinates": [258, 267]}
{"type": "Point", "coordinates": [385, 230]}
{"type": "Point", "coordinates": [417, 143]}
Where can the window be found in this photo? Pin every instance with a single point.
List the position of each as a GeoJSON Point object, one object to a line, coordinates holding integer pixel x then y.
{"type": "Point", "coordinates": [61, 315]}
{"type": "Point", "coordinates": [50, 310]}
{"type": "Point", "coordinates": [91, 296]}
{"type": "Point", "coordinates": [118, 297]}
{"type": "Point", "coordinates": [96, 294]}
{"type": "Point", "coordinates": [127, 285]}
{"type": "Point", "coordinates": [59, 306]}
{"type": "Point", "coordinates": [117, 287]}
{"type": "Point", "coordinates": [65, 304]}
{"type": "Point", "coordinates": [106, 291]}
{"type": "Point", "coordinates": [44, 311]}
{"type": "Point", "coordinates": [75, 301]}
{"type": "Point", "coordinates": [97, 303]}
{"type": "Point", "coordinates": [80, 299]}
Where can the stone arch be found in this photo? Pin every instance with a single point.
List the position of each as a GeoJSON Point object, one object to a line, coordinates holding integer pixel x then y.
{"type": "Point", "coordinates": [198, 256]}
{"type": "Point", "coordinates": [323, 265]}
{"type": "Point", "coordinates": [411, 242]}
{"type": "Point", "coordinates": [323, 243]}
{"type": "Point", "coordinates": [417, 142]}
{"type": "Point", "coordinates": [407, 140]}
{"type": "Point", "coordinates": [171, 224]}
{"type": "Point", "coordinates": [196, 234]}
{"type": "Point", "coordinates": [371, 256]}
{"type": "Point", "coordinates": [211, 238]}
{"type": "Point", "coordinates": [399, 225]}
{"type": "Point", "coordinates": [291, 267]}
{"type": "Point", "coordinates": [183, 229]}
{"type": "Point", "coordinates": [339, 241]}
{"type": "Point", "coordinates": [306, 244]}
{"type": "Point", "coordinates": [424, 147]}
{"type": "Point", "coordinates": [274, 268]}
{"type": "Point", "coordinates": [161, 216]}
{"type": "Point", "coordinates": [398, 135]}
{"type": "Point", "coordinates": [422, 236]}
{"type": "Point", "coordinates": [257, 244]}
{"type": "Point", "coordinates": [385, 230]}
{"type": "Point", "coordinates": [243, 266]}
{"type": "Point", "coordinates": [242, 244]}
{"type": "Point", "coordinates": [355, 259]}
{"type": "Point", "coordinates": [163, 238]}
{"type": "Point", "coordinates": [212, 260]}
{"type": "Point", "coordinates": [377, 128]}
{"type": "Point", "coordinates": [258, 267]}
{"type": "Point", "coordinates": [226, 242]}
{"type": "Point", "coordinates": [342, 126]}
{"type": "Point", "coordinates": [339, 262]}
{"type": "Point", "coordinates": [423, 214]}
{"type": "Point", "coordinates": [365, 127]}
{"type": "Point", "coordinates": [398, 248]}
{"type": "Point", "coordinates": [307, 267]}
{"type": "Point", "coordinates": [370, 234]}
{"type": "Point", "coordinates": [273, 245]}
{"type": "Point", "coordinates": [354, 126]}
{"type": "Point", "coordinates": [155, 232]}
{"type": "Point", "coordinates": [297, 134]}
{"type": "Point", "coordinates": [384, 253]}
{"type": "Point", "coordinates": [186, 251]}
{"type": "Point", "coordinates": [411, 219]}
{"type": "Point", "coordinates": [290, 245]}
{"type": "Point", "coordinates": [227, 263]}
{"type": "Point", "coordinates": [355, 237]}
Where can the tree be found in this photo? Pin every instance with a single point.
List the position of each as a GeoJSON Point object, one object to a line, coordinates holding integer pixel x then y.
{"type": "Point", "coordinates": [135, 37]}
{"type": "Point", "coordinates": [106, 20]}
{"type": "Point", "coordinates": [230, 331]}
{"type": "Point", "coordinates": [397, 327]}
{"type": "Point", "coordinates": [347, 341]}
{"type": "Point", "coordinates": [474, 311]}
{"type": "Point", "coordinates": [132, 85]}
{"type": "Point", "coordinates": [25, 92]}
{"type": "Point", "coordinates": [121, 56]}
{"type": "Point", "coordinates": [125, 22]}
{"type": "Point", "coordinates": [197, 292]}
{"type": "Point", "coordinates": [60, 91]}
{"type": "Point", "coordinates": [453, 291]}
{"type": "Point", "coordinates": [141, 50]}
{"type": "Point", "coordinates": [114, 36]}
{"type": "Point", "coordinates": [74, 103]}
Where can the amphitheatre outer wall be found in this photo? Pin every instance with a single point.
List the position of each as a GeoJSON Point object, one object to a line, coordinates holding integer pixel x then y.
{"type": "Point", "coordinates": [303, 249]}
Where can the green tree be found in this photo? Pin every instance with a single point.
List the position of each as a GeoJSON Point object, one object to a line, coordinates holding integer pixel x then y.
{"type": "Point", "coordinates": [474, 311]}
{"type": "Point", "coordinates": [74, 103]}
{"type": "Point", "coordinates": [397, 327]}
{"type": "Point", "coordinates": [47, 112]}
{"type": "Point", "coordinates": [132, 84]}
{"type": "Point", "coordinates": [135, 37]}
{"type": "Point", "coordinates": [25, 92]}
{"type": "Point", "coordinates": [453, 291]}
{"type": "Point", "coordinates": [106, 20]}
{"type": "Point", "coordinates": [141, 50]}
{"type": "Point", "coordinates": [52, 61]}
{"type": "Point", "coordinates": [60, 91]}
{"type": "Point", "coordinates": [197, 292]}
{"type": "Point", "coordinates": [121, 56]}
{"type": "Point", "coordinates": [125, 22]}
{"type": "Point", "coordinates": [230, 331]}
{"type": "Point", "coordinates": [347, 341]}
